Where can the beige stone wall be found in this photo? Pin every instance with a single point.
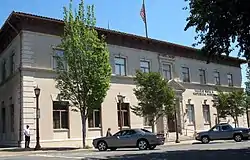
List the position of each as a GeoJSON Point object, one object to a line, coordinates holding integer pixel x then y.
{"type": "Point", "coordinates": [37, 52]}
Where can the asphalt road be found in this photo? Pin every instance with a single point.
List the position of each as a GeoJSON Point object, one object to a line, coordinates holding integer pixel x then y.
{"type": "Point", "coordinates": [215, 151]}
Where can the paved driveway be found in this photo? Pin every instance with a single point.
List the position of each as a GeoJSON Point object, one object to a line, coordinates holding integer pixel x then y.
{"type": "Point", "coordinates": [220, 151]}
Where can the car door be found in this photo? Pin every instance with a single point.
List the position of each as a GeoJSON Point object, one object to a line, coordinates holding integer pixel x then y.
{"type": "Point", "coordinates": [226, 131]}
{"type": "Point", "coordinates": [214, 133]}
{"type": "Point", "coordinates": [128, 138]}
{"type": "Point", "coordinates": [115, 140]}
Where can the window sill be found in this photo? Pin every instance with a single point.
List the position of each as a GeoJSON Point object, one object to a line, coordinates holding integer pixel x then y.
{"type": "Point", "coordinates": [124, 127]}
{"type": "Point", "coordinates": [94, 129]}
{"type": "Point", "coordinates": [60, 130]}
{"type": "Point", "coordinates": [190, 124]}
{"type": "Point", "coordinates": [206, 124]}
{"type": "Point", "coordinates": [147, 126]}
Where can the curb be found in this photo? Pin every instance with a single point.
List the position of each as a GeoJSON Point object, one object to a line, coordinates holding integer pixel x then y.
{"type": "Point", "coordinates": [18, 151]}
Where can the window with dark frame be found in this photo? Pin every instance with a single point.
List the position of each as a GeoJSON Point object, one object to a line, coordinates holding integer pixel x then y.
{"type": "Point", "coordinates": [217, 78]}
{"type": "Point", "coordinates": [58, 57]}
{"type": "Point", "coordinates": [202, 74]}
{"type": "Point", "coordinates": [190, 114]}
{"type": "Point", "coordinates": [230, 79]}
{"type": "Point", "coordinates": [185, 74]}
{"type": "Point", "coordinates": [12, 116]}
{"type": "Point", "coordinates": [145, 66]}
{"type": "Point", "coordinates": [3, 70]}
{"type": "Point", "coordinates": [206, 114]}
{"type": "Point", "coordinates": [12, 63]}
{"type": "Point", "coordinates": [60, 115]}
{"type": "Point", "coordinates": [124, 113]}
{"type": "Point", "coordinates": [166, 69]}
{"type": "Point", "coordinates": [120, 66]}
{"type": "Point", "coordinates": [94, 119]}
{"type": "Point", "coordinates": [3, 118]}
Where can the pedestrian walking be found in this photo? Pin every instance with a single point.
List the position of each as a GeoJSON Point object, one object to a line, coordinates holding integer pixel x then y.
{"type": "Point", "coordinates": [109, 133]}
{"type": "Point", "coordinates": [27, 136]}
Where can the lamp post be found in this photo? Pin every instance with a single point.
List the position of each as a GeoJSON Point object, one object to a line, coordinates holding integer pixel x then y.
{"type": "Point", "coordinates": [37, 93]}
{"type": "Point", "coordinates": [120, 99]}
{"type": "Point", "coordinates": [176, 123]}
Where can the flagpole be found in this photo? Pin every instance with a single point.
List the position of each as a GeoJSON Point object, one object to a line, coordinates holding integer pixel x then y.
{"type": "Point", "coordinates": [146, 26]}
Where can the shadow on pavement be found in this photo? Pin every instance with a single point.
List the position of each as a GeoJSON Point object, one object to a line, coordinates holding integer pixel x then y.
{"type": "Point", "coordinates": [42, 149]}
{"type": "Point", "coordinates": [229, 154]}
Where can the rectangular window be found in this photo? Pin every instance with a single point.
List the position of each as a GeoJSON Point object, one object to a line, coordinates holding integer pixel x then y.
{"type": "Point", "coordinates": [12, 118]}
{"type": "Point", "coordinates": [190, 114]}
{"type": "Point", "coordinates": [217, 78]}
{"type": "Point", "coordinates": [94, 119]}
{"type": "Point", "coordinates": [123, 114]}
{"type": "Point", "coordinates": [3, 70]}
{"type": "Point", "coordinates": [58, 59]}
{"type": "Point", "coordinates": [202, 73]}
{"type": "Point", "coordinates": [185, 74]}
{"type": "Point", "coordinates": [120, 66]}
{"type": "Point", "coordinates": [166, 70]}
{"type": "Point", "coordinates": [230, 79]}
{"type": "Point", "coordinates": [12, 63]}
{"type": "Point", "coordinates": [145, 66]}
{"type": "Point", "coordinates": [3, 117]}
{"type": "Point", "coordinates": [60, 115]}
{"type": "Point", "coordinates": [206, 114]}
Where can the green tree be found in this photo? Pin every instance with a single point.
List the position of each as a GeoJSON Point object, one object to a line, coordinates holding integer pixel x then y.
{"type": "Point", "coordinates": [86, 79]}
{"type": "Point", "coordinates": [155, 97]}
{"type": "Point", "coordinates": [221, 25]}
{"type": "Point", "coordinates": [232, 104]}
{"type": "Point", "coordinates": [247, 83]}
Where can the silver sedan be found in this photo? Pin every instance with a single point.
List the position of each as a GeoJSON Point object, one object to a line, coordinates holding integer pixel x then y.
{"type": "Point", "coordinates": [130, 138]}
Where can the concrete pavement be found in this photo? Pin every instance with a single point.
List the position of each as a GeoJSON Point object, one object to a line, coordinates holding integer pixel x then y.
{"type": "Point", "coordinates": [230, 150]}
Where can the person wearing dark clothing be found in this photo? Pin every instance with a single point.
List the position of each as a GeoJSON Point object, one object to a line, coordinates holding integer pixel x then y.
{"type": "Point", "coordinates": [109, 133]}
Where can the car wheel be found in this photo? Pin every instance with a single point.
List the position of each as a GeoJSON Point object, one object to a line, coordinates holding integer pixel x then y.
{"type": "Point", "coordinates": [142, 144]}
{"type": "Point", "coordinates": [205, 140]}
{"type": "Point", "coordinates": [113, 149]}
{"type": "Point", "coordinates": [237, 137]}
{"type": "Point", "coordinates": [102, 146]}
{"type": "Point", "coordinates": [151, 147]}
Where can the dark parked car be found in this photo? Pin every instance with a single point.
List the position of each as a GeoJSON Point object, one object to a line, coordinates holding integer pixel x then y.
{"type": "Point", "coordinates": [130, 138]}
{"type": "Point", "coordinates": [223, 131]}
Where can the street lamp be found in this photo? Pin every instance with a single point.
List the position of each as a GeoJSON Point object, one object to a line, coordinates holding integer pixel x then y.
{"type": "Point", "coordinates": [120, 100]}
{"type": "Point", "coordinates": [37, 93]}
{"type": "Point", "coordinates": [176, 123]}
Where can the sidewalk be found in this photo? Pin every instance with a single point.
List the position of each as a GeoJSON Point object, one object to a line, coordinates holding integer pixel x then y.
{"type": "Point", "coordinates": [6, 152]}
{"type": "Point", "coordinates": [184, 142]}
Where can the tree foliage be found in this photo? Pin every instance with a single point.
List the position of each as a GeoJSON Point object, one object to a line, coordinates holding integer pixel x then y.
{"type": "Point", "coordinates": [85, 80]}
{"type": "Point", "coordinates": [219, 24]}
{"type": "Point", "coordinates": [155, 97]}
{"type": "Point", "coordinates": [232, 104]}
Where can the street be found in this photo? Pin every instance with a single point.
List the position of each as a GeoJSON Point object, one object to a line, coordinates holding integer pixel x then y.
{"type": "Point", "coordinates": [229, 150]}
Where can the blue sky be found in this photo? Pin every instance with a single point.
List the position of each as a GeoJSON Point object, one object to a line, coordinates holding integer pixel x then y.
{"type": "Point", "coordinates": [166, 19]}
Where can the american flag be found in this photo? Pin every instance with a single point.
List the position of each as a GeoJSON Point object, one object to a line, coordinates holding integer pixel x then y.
{"type": "Point", "coordinates": [143, 13]}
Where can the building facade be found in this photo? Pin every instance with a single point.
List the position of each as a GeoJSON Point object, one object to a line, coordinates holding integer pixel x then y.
{"type": "Point", "coordinates": [28, 46]}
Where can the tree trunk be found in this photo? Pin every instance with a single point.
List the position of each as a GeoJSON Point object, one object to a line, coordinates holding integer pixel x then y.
{"type": "Point", "coordinates": [237, 121]}
{"type": "Point", "coordinates": [83, 129]}
{"type": "Point", "coordinates": [153, 127]}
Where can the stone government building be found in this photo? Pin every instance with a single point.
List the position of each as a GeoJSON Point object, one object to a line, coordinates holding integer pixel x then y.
{"type": "Point", "coordinates": [27, 59]}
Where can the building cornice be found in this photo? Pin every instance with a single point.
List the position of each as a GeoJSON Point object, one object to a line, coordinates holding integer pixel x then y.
{"type": "Point", "coordinates": [29, 22]}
